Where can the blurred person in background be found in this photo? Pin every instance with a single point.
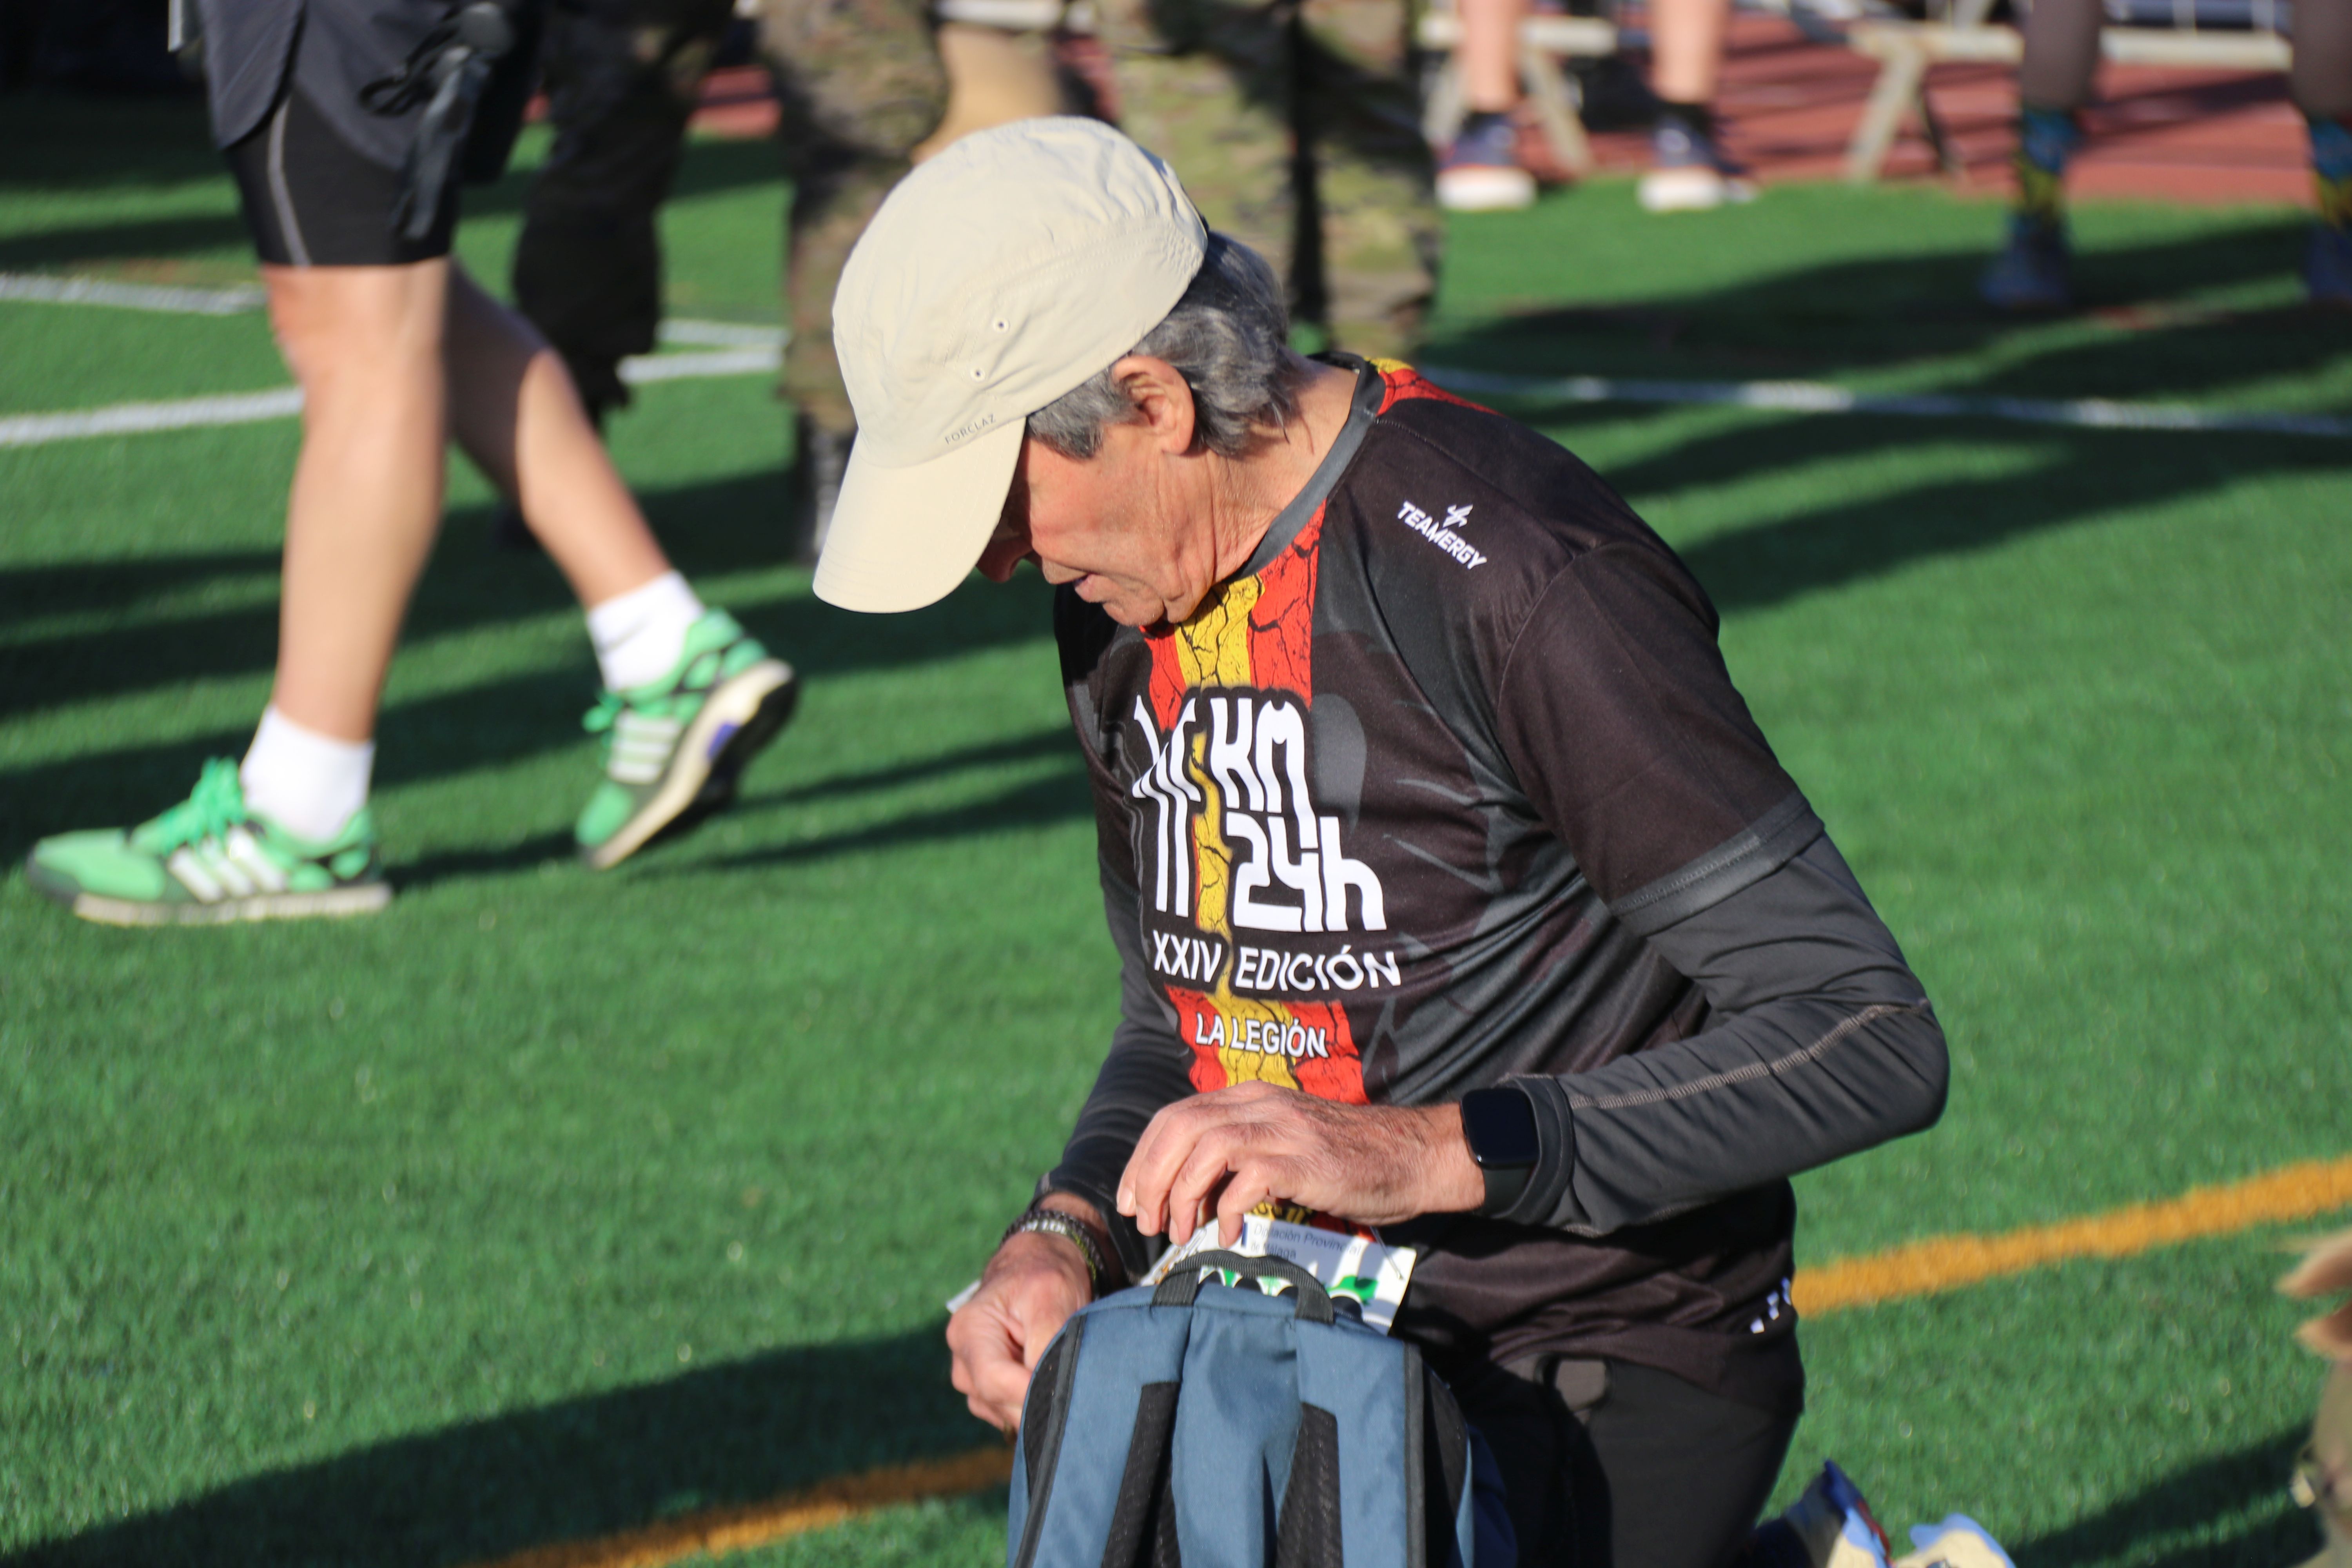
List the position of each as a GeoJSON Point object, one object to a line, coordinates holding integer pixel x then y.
{"type": "Point", "coordinates": [1300, 131]}
{"type": "Point", "coordinates": [1297, 129]}
{"type": "Point", "coordinates": [624, 78]}
{"type": "Point", "coordinates": [347, 124]}
{"type": "Point", "coordinates": [1481, 170]}
{"type": "Point", "coordinates": [867, 88]}
{"type": "Point", "coordinates": [621, 79]}
{"type": "Point", "coordinates": [1689, 172]}
{"type": "Point", "coordinates": [2034, 270]}
{"type": "Point", "coordinates": [2323, 1472]}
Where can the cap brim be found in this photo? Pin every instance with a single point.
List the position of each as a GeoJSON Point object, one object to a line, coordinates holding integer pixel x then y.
{"type": "Point", "coordinates": [903, 538]}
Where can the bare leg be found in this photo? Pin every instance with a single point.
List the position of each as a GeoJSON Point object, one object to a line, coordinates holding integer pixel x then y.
{"type": "Point", "coordinates": [1688, 170]}
{"type": "Point", "coordinates": [365, 344]}
{"type": "Point", "coordinates": [1686, 48]}
{"type": "Point", "coordinates": [1490, 54]}
{"type": "Point", "coordinates": [2061, 54]}
{"type": "Point", "coordinates": [2034, 270]}
{"type": "Point", "coordinates": [514, 410]}
{"type": "Point", "coordinates": [2321, 78]}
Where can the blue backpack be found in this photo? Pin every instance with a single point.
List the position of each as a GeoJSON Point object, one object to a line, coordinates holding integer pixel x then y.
{"type": "Point", "coordinates": [1222, 1427]}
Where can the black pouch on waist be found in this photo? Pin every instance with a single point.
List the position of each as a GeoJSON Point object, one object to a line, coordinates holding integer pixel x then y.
{"type": "Point", "coordinates": [473, 74]}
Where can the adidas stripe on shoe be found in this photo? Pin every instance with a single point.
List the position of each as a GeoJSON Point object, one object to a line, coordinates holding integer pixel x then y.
{"type": "Point", "coordinates": [679, 744]}
{"type": "Point", "coordinates": [210, 861]}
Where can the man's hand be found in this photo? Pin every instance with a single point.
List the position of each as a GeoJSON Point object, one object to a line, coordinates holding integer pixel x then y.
{"type": "Point", "coordinates": [1236, 1147]}
{"type": "Point", "coordinates": [1029, 1289]}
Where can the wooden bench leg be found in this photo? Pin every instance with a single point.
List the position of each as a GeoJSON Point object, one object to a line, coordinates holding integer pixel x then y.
{"type": "Point", "coordinates": [1555, 107]}
{"type": "Point", "coordinates": [1948, 157]}
{"type": "Point", "coordinates": [1442, 116]}
{"type": "Point", "coordinates": [1896, 90]}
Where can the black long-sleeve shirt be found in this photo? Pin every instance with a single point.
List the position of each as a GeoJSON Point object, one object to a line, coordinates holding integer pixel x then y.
{"type": "Point", "coordinates": [1448, 787]}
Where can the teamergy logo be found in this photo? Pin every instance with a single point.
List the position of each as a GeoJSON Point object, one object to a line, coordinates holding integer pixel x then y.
{"type": "Point", "coordinates": [1446, 534]}
{"type": "Point", "coordinates": [1289, 870]}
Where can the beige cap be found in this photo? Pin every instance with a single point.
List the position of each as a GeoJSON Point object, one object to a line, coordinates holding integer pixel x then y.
{"type": "Point", "coordinates": [998, 276]}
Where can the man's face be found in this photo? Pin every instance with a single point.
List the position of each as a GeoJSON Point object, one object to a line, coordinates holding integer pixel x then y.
{"type": "Point", "coordinates": [1121, 525]}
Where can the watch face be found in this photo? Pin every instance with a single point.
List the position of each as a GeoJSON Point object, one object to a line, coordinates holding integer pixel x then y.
{"type": "Point", "coordinates": [1500, 1128]}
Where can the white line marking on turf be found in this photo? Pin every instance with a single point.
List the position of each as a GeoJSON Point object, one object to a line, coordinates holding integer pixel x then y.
{"type": "Point", "coordinates": [760, 351]}
{"type": "Point", "coordinates": [138, 418]}
{"type": "Point", "coordinates": [651, 368]}
{"type": "Point", "coordinates": [285, 402]}
{"type": "Point", "coordinates": [237, 301]}
{"type": "Point", "coordinates": [1781, 397]}
{"type": "Point", "coordinates": [129, 296]}
{"type": "Point", "coordinates": [1820, 397]}
{"type": "Point", "coordinates": [723, 334]}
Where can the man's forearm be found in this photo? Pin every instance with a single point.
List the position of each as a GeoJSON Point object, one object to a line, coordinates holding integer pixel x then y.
{"type": "Point", "coordinates": [1146, 1068]}
{"type": "Point", "coordinates": [1823, 1044]}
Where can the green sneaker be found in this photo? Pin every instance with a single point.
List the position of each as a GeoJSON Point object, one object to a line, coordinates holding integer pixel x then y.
{"type": "Point", "coordinates": [681, 741]}
{"type": "Point", "coordinates": [209, 861]}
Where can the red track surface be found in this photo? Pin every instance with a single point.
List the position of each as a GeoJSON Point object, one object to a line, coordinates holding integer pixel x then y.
{"type": "Point", "coordinates": [1790, 105]}
{"type": "Point", "coordinates": [2162, 134]}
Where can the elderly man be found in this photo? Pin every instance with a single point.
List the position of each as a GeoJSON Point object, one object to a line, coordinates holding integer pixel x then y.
{"type": "Point", "coordinates": [1454, 889]}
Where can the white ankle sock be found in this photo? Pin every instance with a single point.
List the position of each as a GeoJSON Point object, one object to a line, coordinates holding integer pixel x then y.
{"type": "Point", "coordinates": [640, 634]}
{"type": "Point", "coordinates": [307, 783]}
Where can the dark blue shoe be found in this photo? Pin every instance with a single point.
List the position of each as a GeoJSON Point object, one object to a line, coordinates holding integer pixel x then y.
{"type": "Point", "coordinates": [2033, 272]}
{"type": "Point", "coordinates": [1481, 171]}
{"type": "Point", "coordinates": [2327, 267]}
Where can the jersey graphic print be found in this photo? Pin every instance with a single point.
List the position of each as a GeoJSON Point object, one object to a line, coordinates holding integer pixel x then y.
{"type": "Point", "coordinates": [1241, 860]}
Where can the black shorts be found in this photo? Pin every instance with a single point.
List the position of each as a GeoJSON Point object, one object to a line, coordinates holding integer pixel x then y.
{"type": "Point", "coordinates": [1607, 1465]}
{"type": "Point", "coordinates": [311, 200]}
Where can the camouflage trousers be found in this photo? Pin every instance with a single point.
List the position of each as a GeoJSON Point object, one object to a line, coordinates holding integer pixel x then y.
{"type": "Point", "coordinates": [1295, 125]}
{"type": "Point", "coordinates": [861, 86]}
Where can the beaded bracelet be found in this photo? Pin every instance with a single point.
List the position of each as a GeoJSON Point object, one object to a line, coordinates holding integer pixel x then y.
{"type": "Point", "coordinates": [1053, 1222]}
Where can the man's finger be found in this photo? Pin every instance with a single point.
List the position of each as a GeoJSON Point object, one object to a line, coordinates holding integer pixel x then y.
{"type": "Point", "coordinates": [1001, 1391]}
{"type": "Point", "coordinates": [1165, 1145]}
{"type": "Point", "coordinates": [1204, 1171]}
{"type": "Point", "coordinates": [1248, 1187]}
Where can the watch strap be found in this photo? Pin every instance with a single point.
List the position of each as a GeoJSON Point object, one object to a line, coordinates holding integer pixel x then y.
{"type": "Point", "coordinates": [1504, 1184]}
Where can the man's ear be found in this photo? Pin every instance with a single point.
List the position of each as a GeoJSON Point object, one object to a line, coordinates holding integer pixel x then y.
{"type": "Point", "coordinates": [1162, 399]}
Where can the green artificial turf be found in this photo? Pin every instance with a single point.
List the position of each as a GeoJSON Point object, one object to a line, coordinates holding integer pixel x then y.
{"type": "Point", "coordinates": [544, 1205]}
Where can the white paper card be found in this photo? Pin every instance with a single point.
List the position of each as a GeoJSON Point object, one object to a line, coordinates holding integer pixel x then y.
{"type": "Point", "coordinates": [1343, 1263]}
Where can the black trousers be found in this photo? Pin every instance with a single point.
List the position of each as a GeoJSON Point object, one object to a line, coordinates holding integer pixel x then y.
{"type": "Point", "coordinates": [623, 77]}
{"type": "Point", "coordinates": [1608, 1465]}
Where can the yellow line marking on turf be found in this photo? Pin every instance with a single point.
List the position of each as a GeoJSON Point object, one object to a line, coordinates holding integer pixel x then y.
{"type": "Point", "coordinates": [1947, 1262]}
{"type": "Point", "coordinates": [1919, 1269]}
{"type": "Point", "coordinates": [722, 1529]}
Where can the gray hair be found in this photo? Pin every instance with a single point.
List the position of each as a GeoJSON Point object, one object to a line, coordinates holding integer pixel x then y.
{"type": "Point", "coordinates": [1228, 337]}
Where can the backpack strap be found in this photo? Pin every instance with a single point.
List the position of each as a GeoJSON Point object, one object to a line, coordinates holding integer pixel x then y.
{"type": "Point", "coordinates": [1182, 1285]}
{"type": "Point", "coordinates": [1143, 1520]}
{"type": "Point", "coordinates": [1044, 1415]}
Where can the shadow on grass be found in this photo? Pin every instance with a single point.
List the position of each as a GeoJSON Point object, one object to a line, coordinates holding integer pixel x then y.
{"type": "Point", "coordinates": [2080, 476]}
{"type": "Point", "coordinates": [73, 142]}
{"type": "Point", "coordinates": [502, 721]}
{"type": "Point", "coordinates": [738, 1434]}
{"type": "Point", "coordinates": [2219, 1498]}
{"type": "Point", "coordinates": [1884, 312]}
{"type": "Point", "coordinates": [1056, 741]}
{"type": "Point", "coordinates": [1036, 803]}
{"type": "Point", "coordinates": [66, 144]}
{"type": "Point", "coordinates": [1062, 797]}
{"type": "Point", "coordinates": [724, 526]}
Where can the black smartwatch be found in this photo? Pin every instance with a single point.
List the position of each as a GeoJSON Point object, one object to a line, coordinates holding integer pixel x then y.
{"type": "Point", "coordinates": [1499, 1125]}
